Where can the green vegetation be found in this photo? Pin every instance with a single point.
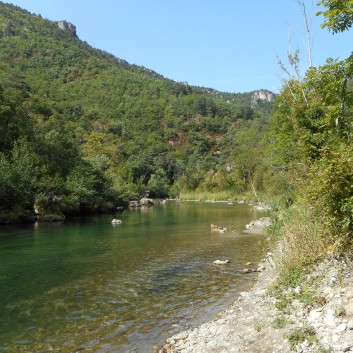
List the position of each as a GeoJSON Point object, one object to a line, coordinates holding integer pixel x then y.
{"type": "Point", "coordinates": [259, 326]}
{"type": "Point", "coordinates": [301, 335]}
{"type": "Point", "coordinates": [291, 285]}
{"type": "Point", "coordinates": [82, 131]}
{"type": "Point", "coordinates": [279, 322]}
{"type": "Point", "coordinates": [310, 140]}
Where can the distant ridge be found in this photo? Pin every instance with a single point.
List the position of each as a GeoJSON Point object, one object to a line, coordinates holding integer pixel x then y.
{"type": "Point", "coordinates": [134, 128]}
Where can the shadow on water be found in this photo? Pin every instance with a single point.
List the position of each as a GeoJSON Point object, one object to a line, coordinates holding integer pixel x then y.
{"type": "Point", "coordinates": [86, 284]}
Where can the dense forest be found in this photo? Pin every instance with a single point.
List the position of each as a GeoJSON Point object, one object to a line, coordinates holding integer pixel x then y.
{"type": "Point", "coordinates": [83, 131]}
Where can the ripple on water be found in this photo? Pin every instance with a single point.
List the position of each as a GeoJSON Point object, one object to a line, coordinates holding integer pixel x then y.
{"type": "Point", "coordinates": [114, 292]}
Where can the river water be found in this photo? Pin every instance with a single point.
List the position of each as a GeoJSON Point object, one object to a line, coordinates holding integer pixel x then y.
{"type": "Point", "coordinates": [86, 285]}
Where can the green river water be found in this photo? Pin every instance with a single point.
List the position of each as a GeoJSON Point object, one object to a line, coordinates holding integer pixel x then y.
{"type": "Point", "coordinates": [88, 286]}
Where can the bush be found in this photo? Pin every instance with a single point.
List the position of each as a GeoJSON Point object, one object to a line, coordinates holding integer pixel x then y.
{"type": "Point", "coordinates": [332, 190]}
{"type": "Point", "coordinates": [302, 237]}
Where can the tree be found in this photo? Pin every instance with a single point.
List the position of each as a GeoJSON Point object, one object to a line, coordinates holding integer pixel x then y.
{"type": "Point", "coordinates": [338, 14]}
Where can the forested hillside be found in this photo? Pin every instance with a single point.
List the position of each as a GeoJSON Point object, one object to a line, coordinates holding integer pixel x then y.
{"type": "Point", "coordinates": [84, 131]}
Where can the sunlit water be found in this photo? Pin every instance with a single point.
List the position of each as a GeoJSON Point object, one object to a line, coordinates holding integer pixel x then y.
{"type": "Point", "coordinates": [89, 286]}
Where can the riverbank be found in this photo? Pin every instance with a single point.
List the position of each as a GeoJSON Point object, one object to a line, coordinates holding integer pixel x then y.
{"type": "Point", "coordinates": [315, 316]}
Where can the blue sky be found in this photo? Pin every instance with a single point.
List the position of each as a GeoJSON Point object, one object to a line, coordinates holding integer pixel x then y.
{"type": "Point", "coordinates": [229, 45]}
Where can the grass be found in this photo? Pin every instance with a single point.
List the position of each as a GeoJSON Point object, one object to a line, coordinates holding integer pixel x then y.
{"type": "Point", "coordinates": [301, 238]}
{"type": "Point", "coordinates": [301, 335]}
{"type": "Point", "coordinates": [211, 196]}
{"type": "Point", "coordinates": [292, 284]}
{"type": "Point", "coordinates": [340, 312]}
{"type": "Point", "coordinates": [259, 326]}
{"type": "Point", "coordinates": [279, 322]}
{"type": "Point", "coordinates": [323, 350]}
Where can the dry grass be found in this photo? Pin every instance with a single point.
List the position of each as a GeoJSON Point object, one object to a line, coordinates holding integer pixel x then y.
{"type": "Point", "coordinates": [209, 196]}
{"type": "Point", "coordinates": [302, 238]}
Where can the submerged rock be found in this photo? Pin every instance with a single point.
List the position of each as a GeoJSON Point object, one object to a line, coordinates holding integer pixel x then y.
{"type": "Point", "coordinates": [219, 229]}
{"type": "Point", "coordinates": [221, 262]}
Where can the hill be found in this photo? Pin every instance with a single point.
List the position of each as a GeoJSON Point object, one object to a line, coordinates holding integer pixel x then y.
{"type": "Point", "coordinates": [96, 131]}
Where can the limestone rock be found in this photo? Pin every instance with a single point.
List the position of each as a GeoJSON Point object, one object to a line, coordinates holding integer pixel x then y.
{"type": "Point", "coordinates": [145, 201]}
{"type": "Point", "coordinates": [262, 96]}
{"type": "Point", "coordinates": [67, 27]}
{"type": "Point", "coordinates": [221, 262]}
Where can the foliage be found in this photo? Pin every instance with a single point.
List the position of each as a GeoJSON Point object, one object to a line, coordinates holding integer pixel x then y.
{"type": "Point", "coordinates": [299, 335]}
{"type": "Point", "coordinates": [280, 322]}
{"type": "Point", "coordinates": [101, 131]}
{"type": "Point", "coordinates": [310, 137]}
{"type": "Point", "coordinates": [338, 14]}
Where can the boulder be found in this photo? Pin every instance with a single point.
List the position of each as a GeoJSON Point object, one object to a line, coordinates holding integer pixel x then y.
{"type": "Point", "coordinates": [221, 262]}
{"type": "Point", "coordinates": [134, 204]}
{"type": "Point", "coordinates": [145, 201]}
{"type": "Point", "coordinates": [219, 229]}
{"type": "Point", "coordinates": [258, 226]}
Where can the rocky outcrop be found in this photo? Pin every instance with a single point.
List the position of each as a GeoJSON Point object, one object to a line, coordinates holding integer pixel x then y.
{"type": "Point", "coordinates": [67, 27]}
{"type": "Point", "coordinates": [145, 201]}
{"type": "Point", "coordinates": [262, 96]}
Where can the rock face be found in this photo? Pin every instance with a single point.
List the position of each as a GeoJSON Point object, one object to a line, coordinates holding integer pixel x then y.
{"type": "Point", "coordinates": [67, 26]}
{"type": "Point", "coordinates": [262, 96]}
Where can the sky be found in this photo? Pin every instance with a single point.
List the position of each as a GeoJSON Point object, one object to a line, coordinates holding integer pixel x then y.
{"type": "Point", "coordinates": [229, 45]}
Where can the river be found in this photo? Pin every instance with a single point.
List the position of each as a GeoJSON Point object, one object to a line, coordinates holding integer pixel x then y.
{"type": "Point", "coordinates": [86, 285]}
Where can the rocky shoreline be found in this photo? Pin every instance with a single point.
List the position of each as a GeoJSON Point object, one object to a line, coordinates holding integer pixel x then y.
{"type": "Point", "coordinates": [255, 322]}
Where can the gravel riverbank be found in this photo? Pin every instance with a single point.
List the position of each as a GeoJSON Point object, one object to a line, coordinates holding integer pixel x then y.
{"type": "Point", "coordinates": [257, 323]}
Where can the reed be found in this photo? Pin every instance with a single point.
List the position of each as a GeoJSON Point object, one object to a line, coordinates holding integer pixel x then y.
{"type": "Point", "coordinates": [208, 196]}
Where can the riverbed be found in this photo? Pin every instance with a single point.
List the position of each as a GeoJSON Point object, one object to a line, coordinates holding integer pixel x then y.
{"type": "Point", "coordinates": [88, 285]}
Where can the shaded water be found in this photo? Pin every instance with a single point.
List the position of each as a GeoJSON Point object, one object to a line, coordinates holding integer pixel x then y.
{"type": "Point", "coordinates": [89, 286]}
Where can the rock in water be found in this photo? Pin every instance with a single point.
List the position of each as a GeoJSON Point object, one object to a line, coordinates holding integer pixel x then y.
{"type": "Point", "coordinates": [221, 262]}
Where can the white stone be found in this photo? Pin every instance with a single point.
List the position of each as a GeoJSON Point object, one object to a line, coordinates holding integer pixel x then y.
{"type": "Point", "coordinates": [330, 319]}
{"type": "Point", "coordinates": [349, 294]}
{"type": "Point", "coordinates": [341, 328]}
{"type": "Point", "coordinates": [297, 290]}
{"type": "Point", "coordinates": [349, 309]}
{"type": "Point", "coordinates": [221, 262]}
{"type": "Point", "coordinates": [315, 314]}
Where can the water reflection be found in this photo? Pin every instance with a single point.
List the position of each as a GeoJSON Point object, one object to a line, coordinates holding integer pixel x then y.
{"type": "Point", "coordinates": [86, 284]}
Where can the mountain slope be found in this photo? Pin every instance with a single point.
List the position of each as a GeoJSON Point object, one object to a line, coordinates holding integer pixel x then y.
{"type": "Point", "coordinates": [134, 128]}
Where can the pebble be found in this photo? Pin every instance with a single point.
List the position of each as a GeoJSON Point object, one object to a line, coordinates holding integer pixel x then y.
{"type": "Point", "coordinates": [247, 325]}
{"type": "Point", "coordinates": [315, 314]}
{"type": "Point", "coordinates": [349, 309]}
{"type": "Point", "coordinates": [341, 328]}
